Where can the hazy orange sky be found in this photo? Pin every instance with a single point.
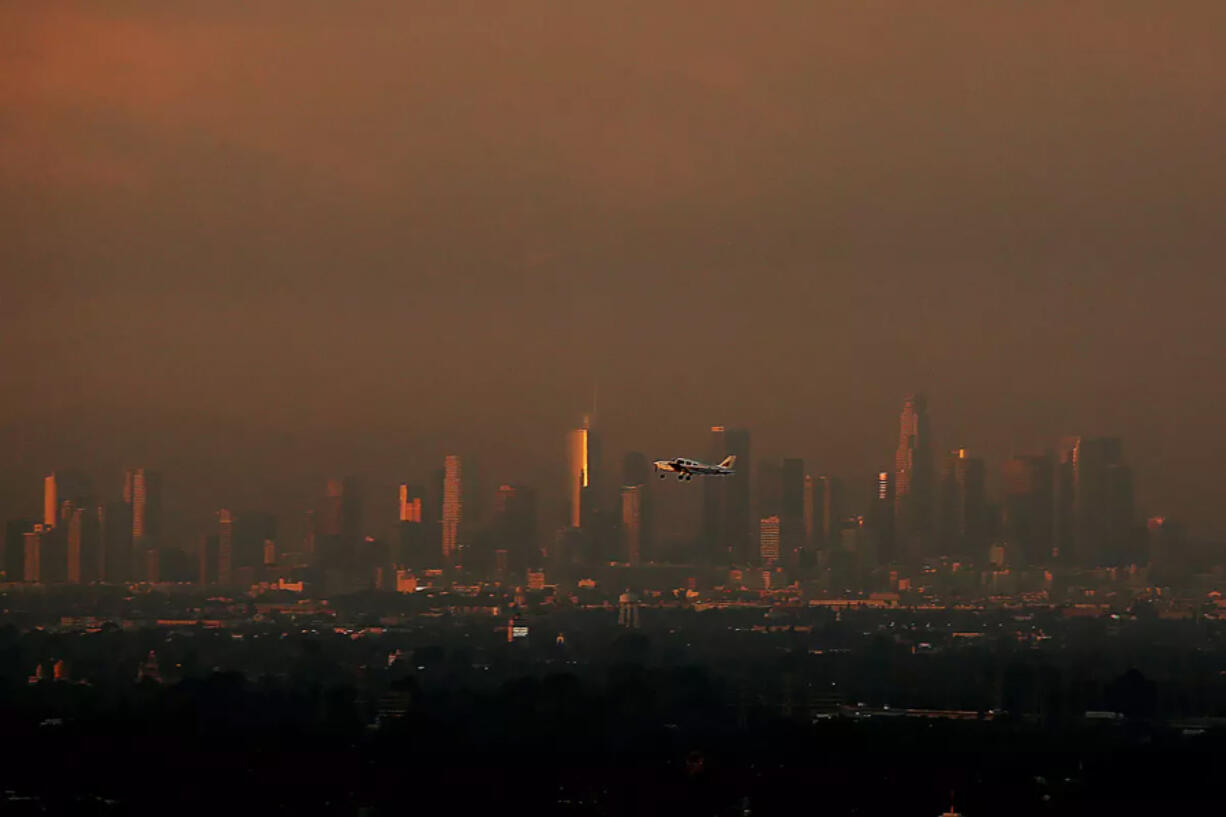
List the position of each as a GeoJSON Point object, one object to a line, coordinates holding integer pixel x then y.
{"type": "Point", "coordinates": [259, 243]}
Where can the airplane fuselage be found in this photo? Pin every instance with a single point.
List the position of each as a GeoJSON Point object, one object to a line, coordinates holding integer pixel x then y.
{"type": "Point", "coordinates": [687, 468]}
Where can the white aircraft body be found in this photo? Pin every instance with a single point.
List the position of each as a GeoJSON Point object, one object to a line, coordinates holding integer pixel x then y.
{"type": "Point", "coordinates": [686, 469]}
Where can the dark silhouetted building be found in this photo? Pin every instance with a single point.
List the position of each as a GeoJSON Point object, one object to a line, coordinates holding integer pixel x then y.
{"type": "Point", "coordinates": [225, 547]}
{"type": "Point", "coordinates": [1028, 488]}
{"type": "Point", "coordinates": [827, 511]}
{"type": "Point", "coordinates": [913, 495]}
{"type": "Point", "coordinates": [32, 560]}
{"type": "Point", "coordinates": [514, 527]}
{"type": "Point", "coordinates": [728, 533]}
{"type": "Point", "coordinates": [632, 523]}
{"type": "Point", "coordinates": [637, 471]}
{"type": "Point", "coordinates": [252, 531]}
{"type": "Point", "coordinates": [792, 511]}
{"type": "Point", "coordinates": [881, 519]}
{"type": "Point", "coordinates": [1094, 502]}
{"type": "Point", "coordinates": [963, 522]}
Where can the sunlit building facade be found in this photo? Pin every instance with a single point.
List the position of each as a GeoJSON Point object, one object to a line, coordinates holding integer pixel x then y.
{"type": "Point", "coordinates": [768, 539]}
{"type": "Point", "coordinates": [582, 469]}
{"type": "Point", "coordinates": [453, 509]}
{"type": "Point", "coordinates": [51, 504]}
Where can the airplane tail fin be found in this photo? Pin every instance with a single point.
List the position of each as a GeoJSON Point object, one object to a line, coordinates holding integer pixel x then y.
{"type": "Point", "coordinates": [729, 461]}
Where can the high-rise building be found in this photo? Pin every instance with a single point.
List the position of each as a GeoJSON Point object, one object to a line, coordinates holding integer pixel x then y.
{"type": "Point", "coordinates": [637, 470]}
{"type": "Point", "coordinates": [810, 512]}
{"type": "Point", "coordinates": [1165, 545]}
{"type": "Point", "coordinates": [514, 527]}
{"type": "Point", "coordinates": [582, 476]}
{"type": "Point", "coordinates": [827, 511]}
{"type": "Point", "coordinates": [143, 493]}
{"type": "Point", "coordinates": [768, 539]}
{"type": "Point", "coordinates": [792, 510]}
{"type": "Point", "coordinates": [51, 503]}
{"type": "Point", "coordinates": [225, 547]}
{"type": "Point", "coordinates": [632, 523]}
{"type": "Point", "coordinates": [410, 503]}
{"type": "Point", "coordinates": [328, 513]}
{"type": "Point", "coordinates": [411, 549]}
{"type": "Point", "coordinates": [251, 531]}
{"type": "Point", "coordinates": [913, 479]}
{"type": "Point", "coordinates": [453, 510]}
{"type": "Point", "coordinates": [76, 526]}
{"type": "Point", "coordinates": [32, 567]}
{"type": "Point", "coordinates": [881, 519]}
{"type": "Point", "coordinates": [1094, 502]}
{"type": "Point", "coordinates": [727, 533]}
{"type": "Point", "coordinates": [964, 509]}
{"type": "Point", "coordinates": [64, 486]}
{"type": "Point", "coordinates": [1028, 488]}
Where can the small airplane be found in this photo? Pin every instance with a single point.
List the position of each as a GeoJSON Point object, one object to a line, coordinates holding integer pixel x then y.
{"type": "Point", "coordinates": [686, 469]}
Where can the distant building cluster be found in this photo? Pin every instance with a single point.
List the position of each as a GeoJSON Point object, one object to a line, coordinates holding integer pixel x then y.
{"type": "Point", "coordinates": [1071, 506]}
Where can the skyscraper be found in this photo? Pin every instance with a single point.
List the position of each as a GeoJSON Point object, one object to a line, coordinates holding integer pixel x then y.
{"type": "Point", "coordinates": [142, 491]}
{"type": "Point", "coordinates": [632, 523]}
{"type": "Point", "coordinates": [964, 512]}
{"type": "Point", "coordinates": [251, 531]}
{"type": "Point", "coordinates": [768, 539]}
{"type": "Point", "coordinates": [881, 521]}
{"type": "Point", "coordinates": [827, 511]}
{"type": "Point", "coordinates": [32, 567]}
{"type": "Point", "coordinates": [1028, 488]}
{"type": "Point", "coordinates": [913, 479]}
{"type": "Point", "coordinates": [410, 503]}
{"type": "Point", "coordinates": [637, 471]}
{"type": "Point", "coordinates": [810, 512]}
{"type": "Point", "coordinates": [792, 510]}
{"type": "Point", "coordinates": [64, 486]}
{"type": "Point", "coordinates": [76, 526]}
{"type": "Point", "coordinates": [1094, 501]}
{"type": "Point", "coordinates": [727, 536]}
{"type": "Point", "coordinates": [514, 527]}
{"type": "Point", "coordinates": [410, 551]}
{"type": "Point", "coordinates": [225, 547]}
{"type": "Point", "coordinates": [582, 483]}
{"type": "Point", "coordinates": [51, 504]}
{"type": "Point", "coordinates": [453, 510]}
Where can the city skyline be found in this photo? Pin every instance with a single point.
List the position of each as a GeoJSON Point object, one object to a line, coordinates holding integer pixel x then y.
{"type": "Point", "coordinates": [308, 501]}
{"type": "Point", "coordinates": [1073, 505]}
{"type": "Point", "coordinates": [201, 275]}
